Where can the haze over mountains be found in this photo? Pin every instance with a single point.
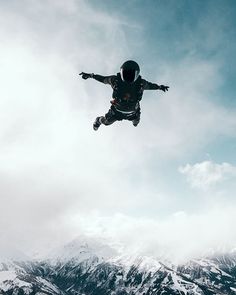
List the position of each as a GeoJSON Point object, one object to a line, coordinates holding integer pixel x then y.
{"type": "Point", "coordinates": [90, 266]}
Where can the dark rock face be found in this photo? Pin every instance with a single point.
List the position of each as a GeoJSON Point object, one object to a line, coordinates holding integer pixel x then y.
{"type": "Point", "coordinates": [94, 277]}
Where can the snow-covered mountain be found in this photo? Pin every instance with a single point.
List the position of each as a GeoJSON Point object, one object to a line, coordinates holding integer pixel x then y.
{"type": "Point", "coordinates": [80, 249]}
{"type": "Point", "coordinates": [92, 267]}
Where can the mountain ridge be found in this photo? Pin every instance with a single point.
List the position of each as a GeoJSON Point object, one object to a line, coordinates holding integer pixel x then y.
{"type": "Point", "coordinates": [91, 267]}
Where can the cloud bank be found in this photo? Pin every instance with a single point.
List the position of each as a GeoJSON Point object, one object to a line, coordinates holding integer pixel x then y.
{"type": "Point", "coordinates": [178, 237]}
{"type": "Point", "coordinates": [55, 170]}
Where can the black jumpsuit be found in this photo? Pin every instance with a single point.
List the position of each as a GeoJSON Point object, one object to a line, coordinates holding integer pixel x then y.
{"type": "Point", "coordinates": [126, 98]}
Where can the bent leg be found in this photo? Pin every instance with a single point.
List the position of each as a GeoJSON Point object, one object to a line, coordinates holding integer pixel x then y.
{"type": "Point", "coordinates": [136, 118]}
{"type": "Point", "coordinates": [109, 118]}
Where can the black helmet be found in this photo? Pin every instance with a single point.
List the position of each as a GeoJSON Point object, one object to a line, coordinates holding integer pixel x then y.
{"type": "Point", "coordinates": [129, 71]}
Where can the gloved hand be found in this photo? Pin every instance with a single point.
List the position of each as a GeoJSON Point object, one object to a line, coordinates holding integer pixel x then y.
{"type": "Point", "coordinates": [163, 88]}
{"type": "Point", "coordinates": [86, 75]}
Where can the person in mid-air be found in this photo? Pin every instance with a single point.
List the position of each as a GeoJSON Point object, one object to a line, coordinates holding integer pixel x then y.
{"type": "Point", "coordinates": [128, 87]}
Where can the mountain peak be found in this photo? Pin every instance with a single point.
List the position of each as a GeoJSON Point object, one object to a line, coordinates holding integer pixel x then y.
{"type": "Point", "coordinates": [83, 248]}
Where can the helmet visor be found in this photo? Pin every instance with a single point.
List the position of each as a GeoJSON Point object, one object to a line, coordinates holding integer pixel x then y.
{"type": "Point", "coordinates": [129, 75]}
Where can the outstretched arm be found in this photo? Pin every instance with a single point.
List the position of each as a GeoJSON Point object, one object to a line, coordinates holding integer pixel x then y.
{"type": "Point", "coordinates": [153, 86]}
{"type": "Point", "coordinates": [102, 79]}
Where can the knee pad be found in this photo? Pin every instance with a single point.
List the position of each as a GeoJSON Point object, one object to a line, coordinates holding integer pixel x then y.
{"type": "Point", "coordinates": [104, 121]}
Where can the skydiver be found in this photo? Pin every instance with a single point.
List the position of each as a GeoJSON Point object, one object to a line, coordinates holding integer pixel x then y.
{"type": "Point", "coordinates": [128, 87]}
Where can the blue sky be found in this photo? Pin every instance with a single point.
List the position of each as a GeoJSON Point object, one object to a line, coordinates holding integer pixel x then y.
{"type": "Point", "coordinates": [174, 172]}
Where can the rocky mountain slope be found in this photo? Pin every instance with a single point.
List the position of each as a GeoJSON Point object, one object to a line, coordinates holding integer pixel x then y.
{"type": "Point", "coordinates": [93, 268]}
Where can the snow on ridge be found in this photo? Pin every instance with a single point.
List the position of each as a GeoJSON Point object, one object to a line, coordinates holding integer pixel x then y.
{"type": "Point", "coordinates": [143, 263]}
{"type": "Point", "coordinates": [9, 278]}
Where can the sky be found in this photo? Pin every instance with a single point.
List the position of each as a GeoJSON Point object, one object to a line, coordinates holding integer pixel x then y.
{"type": "Point", "coordinates": [166, 187]}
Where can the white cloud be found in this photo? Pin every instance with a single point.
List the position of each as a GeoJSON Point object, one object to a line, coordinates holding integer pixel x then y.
{"type": "Point", "coordinates": [179, 236]}
{"type": "Point", "coordinates": [206, 174]}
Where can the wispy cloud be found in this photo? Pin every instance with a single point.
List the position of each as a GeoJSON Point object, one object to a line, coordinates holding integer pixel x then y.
{"type": "Point", "coordinates": [206, 174]}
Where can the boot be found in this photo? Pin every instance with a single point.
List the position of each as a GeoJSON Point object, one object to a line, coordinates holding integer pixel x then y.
{"type": "Point", "coordinates": [135, 122]}
{"type": "Point", "coordinates": [97, 123]}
